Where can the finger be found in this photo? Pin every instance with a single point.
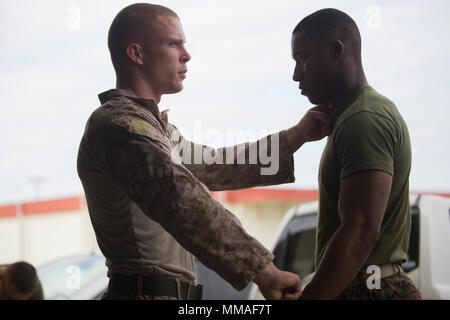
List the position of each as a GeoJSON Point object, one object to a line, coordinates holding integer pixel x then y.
{"type": "Point", "coordinates": [327, 108]}
{"type": "Point", "coordinates": [291, 283]}
{"type": "Point", "coordinates": [292, 296]}
{"type": "Point", "coordinates": [322, 117]}
{"type": "Point", "coordinates": [325, 131]}
{"type": "Point", "coordinates": [320, 107]}
{"type": "Point", "coordinates": [293, 292]}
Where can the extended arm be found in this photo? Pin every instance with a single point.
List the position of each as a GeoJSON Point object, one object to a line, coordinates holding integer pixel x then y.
{"type": "Point", "coordinates": [362, 202]}
{"type": "Point", "coordinates": [267, 161]}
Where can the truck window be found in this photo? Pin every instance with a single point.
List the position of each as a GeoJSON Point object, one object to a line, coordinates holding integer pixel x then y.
{"type": "Point", "coordinates": [295, 251]}
{"type": "Point", "coordinates": [301, 247]}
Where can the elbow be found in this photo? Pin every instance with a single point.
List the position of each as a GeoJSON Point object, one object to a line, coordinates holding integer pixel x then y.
{"type": "Point", "coordinates": [365, 236]}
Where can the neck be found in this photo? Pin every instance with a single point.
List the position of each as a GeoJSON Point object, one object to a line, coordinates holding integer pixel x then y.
{"type": "Point", "coordinates": [138, 87]}
{"type": "Point", "coordinates": [349, 89]}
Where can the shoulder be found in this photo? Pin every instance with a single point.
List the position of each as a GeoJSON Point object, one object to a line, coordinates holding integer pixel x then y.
{"type": "Point", "coordinates": [370, 110]}
{"type": "Point", "coordinates": [123, 114]}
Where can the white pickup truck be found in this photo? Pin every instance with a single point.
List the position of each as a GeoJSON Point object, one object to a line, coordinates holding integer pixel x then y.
{"type": "Point", "coordinates": [428, 262]}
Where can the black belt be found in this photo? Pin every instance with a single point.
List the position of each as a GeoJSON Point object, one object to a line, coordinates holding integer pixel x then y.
{"type": "Point", "coordinates": [156, 286]}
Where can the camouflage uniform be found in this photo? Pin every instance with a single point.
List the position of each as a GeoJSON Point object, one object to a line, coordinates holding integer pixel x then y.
{"type": "Point", "coordinates": [151, 213]}
{"type": "Point", "coordinates": [395, 287]}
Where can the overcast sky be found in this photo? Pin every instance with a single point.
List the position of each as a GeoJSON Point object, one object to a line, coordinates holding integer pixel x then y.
{"type": "Point", "coordinates": [54, 61]}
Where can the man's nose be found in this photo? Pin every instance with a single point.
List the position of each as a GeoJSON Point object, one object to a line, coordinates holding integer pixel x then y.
{"type": "Point", "coordinates": [298, 74]}
{"type": "Point", "coordinates": [185, 56]}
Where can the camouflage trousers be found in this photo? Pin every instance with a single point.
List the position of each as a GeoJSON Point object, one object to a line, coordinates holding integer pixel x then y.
{"type": "Point", "coordinates": [395, 287]}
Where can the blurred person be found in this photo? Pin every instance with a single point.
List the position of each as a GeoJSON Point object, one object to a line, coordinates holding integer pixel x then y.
{"type": "Point", "coordinates": [19, 281]}
{"type": "Point", "coordinates": [149, 204]}
{"type": "Point", "coordinates": [364, 212]}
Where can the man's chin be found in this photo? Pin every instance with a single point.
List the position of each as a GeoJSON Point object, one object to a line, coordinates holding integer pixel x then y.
{"type": "Point", "coordinates": [175, 90]}
{"type": "Point", "coordinates": [316, 100]}
{"type": "Point", "coordinates": [179, 87]}
{"type": "Point", "coordinates": [313, 100]}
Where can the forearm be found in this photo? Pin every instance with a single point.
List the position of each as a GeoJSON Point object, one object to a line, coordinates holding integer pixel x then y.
{"type": "Point", "coordinates": [268, 161]}
{"type": "Point", "coordinates": [295, 138]}
{"type": "Point", "coordinates": [205, 228]}
{"type": "Point", "coordinates": [345, 256]}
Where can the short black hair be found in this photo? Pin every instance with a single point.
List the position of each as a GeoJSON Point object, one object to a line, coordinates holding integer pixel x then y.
{"type": "Point", "coordinates": [127, 27]}
{"type": "Point", "coordinates": [327, 23]}
{"type": "Point", "coordinates": [23, 276]}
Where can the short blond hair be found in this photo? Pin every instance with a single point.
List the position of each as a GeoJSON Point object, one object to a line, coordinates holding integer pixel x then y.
{"type": "Point", "coordinates": [128, 26]}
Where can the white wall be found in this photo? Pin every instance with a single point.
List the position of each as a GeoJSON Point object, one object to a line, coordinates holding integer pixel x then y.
{"type": "Point", "coordinates": [9, 240]}
{"type": "Point", "coordinates": [41, 238]}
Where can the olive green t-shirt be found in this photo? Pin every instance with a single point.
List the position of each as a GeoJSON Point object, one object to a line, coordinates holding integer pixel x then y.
{"type": "Point", "coordinates": [369, 134]}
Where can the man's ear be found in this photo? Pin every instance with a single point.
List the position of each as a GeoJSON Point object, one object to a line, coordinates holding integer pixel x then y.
{"type": "Point", "coordinates": [134, 52]}
{"type": "Point", "coordinates": [338, 50]}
